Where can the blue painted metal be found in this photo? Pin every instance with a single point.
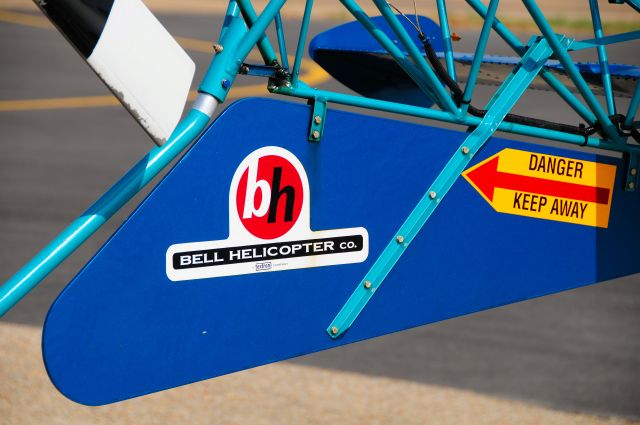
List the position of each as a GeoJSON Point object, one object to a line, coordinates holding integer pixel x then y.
{"type": "Point", "coordinates": [479, 53]}
{"type": "Point", "coordinates": [302, 39]}
{"type": "Point", "coordinates": [122, 329]}
{"type": "Point", "coordinates": [633, 168]}
{"type": "Point", "coordinates": [92, 219]}
{"type": "Point", "coordinates": [318, 119]}
{"type": "Point", "coordinates": [502, 102]}
{"type": "Point", "coordinates": [602, 56]}
{"type": "Point", "coordinates": [307, 92]}
{"type": "Point", "coordinates": [446, 38]}
{"type": "Point", "coordinates": [436, 93]}
{"type": "Point", "coordinates": [373, 73]}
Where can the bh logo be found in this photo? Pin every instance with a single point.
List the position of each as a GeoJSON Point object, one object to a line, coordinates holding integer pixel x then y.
{"type": "Point", "coordinates": [270, 193]}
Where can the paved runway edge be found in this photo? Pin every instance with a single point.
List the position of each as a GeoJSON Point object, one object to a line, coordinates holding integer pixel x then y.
{"type": "Point", "coordinates": [277, 394]}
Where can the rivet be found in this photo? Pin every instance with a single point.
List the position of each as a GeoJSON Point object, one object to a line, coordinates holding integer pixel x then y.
{"type": "Point", "coordinates": [634, 171]}
{"type": "Point", "coordinates": [367, 284]}
{"type": "Point", "coordinates": [317, 119]}
{"type": "Point", "coordinates": [217, 47]}
{"type": "Point", "coordinates": [465, 150]}
{"type": "Point", "coordinates": [334, 330]}
{"type": "Point", "coordinates": [631, 185]}
{"type": "Point", "coordinates": [315, 134]}
{"type": "Point", "coordinates": [399, 238]}
{"type": "Point", "coordinates": [432, 195]}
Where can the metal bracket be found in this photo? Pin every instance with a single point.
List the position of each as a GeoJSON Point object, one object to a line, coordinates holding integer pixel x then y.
{"type": "Point", "coordinates": [633, 163]}
{"type": "Point", "coordinates": [318, 117]}
{"type": "Point", "coordinates": [502, 102]}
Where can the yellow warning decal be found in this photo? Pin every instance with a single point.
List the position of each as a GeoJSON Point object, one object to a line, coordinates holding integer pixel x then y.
{"type": "Point", "coordinates": [545, 186]}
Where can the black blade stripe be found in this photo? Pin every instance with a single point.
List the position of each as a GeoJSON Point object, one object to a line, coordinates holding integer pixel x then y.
{"type": "Point", "coordinates": [81, 21]}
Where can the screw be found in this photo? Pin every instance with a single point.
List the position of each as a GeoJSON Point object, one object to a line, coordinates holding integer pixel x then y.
{"type": "Point", "coordinates": [465, 150]}
{"type": "Point", "coordinates": [315, 134]}
{"type": "Point", "coordinates": [399, 238]}
{"type": "Point", "coordinates": [634, 171]}
{"type": "Point", "coordinates": [217, 47]}
{"type": "Point", "coordinates": [317, 119]}
{"type": "Point", "coordinates": [225, 84]}
{"type": "Point", "coordinates": [631, 185]}
{"type": "Point", "coordinates": [244, 69]}
{"type": "Point", "coordinates": [334, 330]}
{"type": "Point", "coordinates": [367, 284]}
{"type": "Point", "coordinates": [432, 195]}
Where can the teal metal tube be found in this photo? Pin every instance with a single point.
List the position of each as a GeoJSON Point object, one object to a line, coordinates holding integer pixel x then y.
{"type": "Point", "coordinates": [233, 11]}
{"type": "Point", "coordinates": [604, 41]}
{"type": "Point", "coordinates": [561, 54]}
{"type": "Point", "coordinates": [302, 40]}
{"type": "Point", "coordinates": [633, 106]}
{"type": "Point", "coordinates": [306, 92]}
{"type": "Point", "coordinates": [545, 74]}
{"type": "Point", "coordinates": [416, 56]}
{"type": "Point", "coordinates": [257, 29]}
{"type": "Point", "coordinates": [282, 44]}
{"type": "Point", "coordinates": [264, 45]}
{"type": "Point", "coordinates": [224, 65]}
{"type": "Point", "coordinates": [446, 38]}
{"type": "Point", "coordinates": [479, 54]}
{"type": "Point", "coordinates": [602, 57]}
{"type": "Point", "coordinates": [393, 50]}
{"type": "Point", "coordinates": [91, 220]}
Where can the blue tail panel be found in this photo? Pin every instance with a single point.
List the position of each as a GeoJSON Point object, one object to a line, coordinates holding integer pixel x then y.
{"type": "Point", "coordinates": [142, 317]}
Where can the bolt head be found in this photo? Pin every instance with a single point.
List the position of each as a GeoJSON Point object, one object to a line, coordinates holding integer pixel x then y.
{"type": "Point", "coordinates": [400, 239]}
{"type": "Point", "coordinates": [633, 171]}
{"type": "Point", "coordinates": [334, 330]}
{"type": "Point", "coordinates": [315, 134]}
{"type": "Point", "coordinates": [317, 119]}
{"type": "Point", "coordinates": [367, 284]}
{"type": "Point", "coordinates": [225, 84]}
{"type": "Point", "coordinates": [631, 185]}
{"type": "Point", "coordinates": [217, 47]}
{"type": "Point", "coordinates": [432, 195]}
{"type": "Point", "coordinates": [465, 150]}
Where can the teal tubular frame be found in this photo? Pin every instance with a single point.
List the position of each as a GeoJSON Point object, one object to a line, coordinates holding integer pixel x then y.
{"type": "Point", "coordinates": [602, 57]}
{"type": "Point", "coordinates": [304, 29]}
{"type": "Point", "coordinates": [446, 38]}
{"type": "Point", "coordinates": [243, 30]}
{"type": "Point", "coordinates": [480, 49]}
{"type": "Point", "coordinates": [560, 52]}
{"type": "Point", "coordinates": [546, 75]}
{"type": "Point", "coordinates": [502, 102]}
{"type": "Point", "coordinates": [91, 220]}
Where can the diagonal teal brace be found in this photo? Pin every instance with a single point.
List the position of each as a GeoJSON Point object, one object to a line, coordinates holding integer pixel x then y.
{"type": "Point", "coordinates": [509, 93]}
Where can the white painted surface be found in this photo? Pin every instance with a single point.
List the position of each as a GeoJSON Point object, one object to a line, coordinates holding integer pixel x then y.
{"type": "Point", "coordinates": [144, 67]}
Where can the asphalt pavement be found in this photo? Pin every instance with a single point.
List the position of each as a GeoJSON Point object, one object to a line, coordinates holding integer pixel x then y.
{"type": "Point", "coordinates": [576, 351]}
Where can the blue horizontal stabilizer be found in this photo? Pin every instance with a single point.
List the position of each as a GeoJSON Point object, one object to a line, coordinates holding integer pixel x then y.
{"type": "Point", "coordinates": [247, 249]}
{"type": "Point", "coordinates": [353, 57]}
